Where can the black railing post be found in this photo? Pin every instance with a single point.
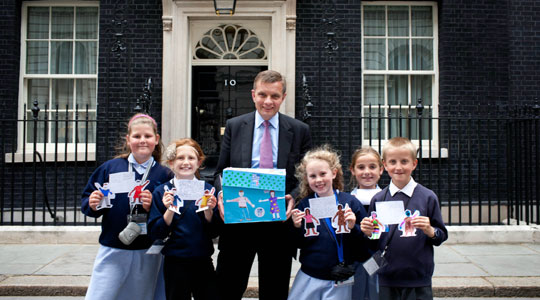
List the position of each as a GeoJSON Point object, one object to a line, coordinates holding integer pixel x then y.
{"type": "Point", "coordinates": [35, 115]}
{"type": "Point", "coordinates": [536, 133]}
{"type": "Point", "coordinates": [419, 112]}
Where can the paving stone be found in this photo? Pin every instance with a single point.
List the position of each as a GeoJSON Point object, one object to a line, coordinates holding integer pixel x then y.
{"type": "Point", "coordinates": [464, 269]}
{"type": "Point", "coordinates": [508, 265]}
{"type": "Point", "coordinates": [447, 254]}
{"type": "Point", "coordinates": [492, 249]}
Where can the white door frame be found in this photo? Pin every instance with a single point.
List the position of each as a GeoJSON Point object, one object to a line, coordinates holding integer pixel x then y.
{"type": "Point", "coordinates": [177, 62]}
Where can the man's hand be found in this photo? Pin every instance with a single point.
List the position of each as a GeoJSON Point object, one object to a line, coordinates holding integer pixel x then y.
{"type": "Point", "coordinates": [220, 205]}
{"type": "Point", "coordinates": [289, 201]}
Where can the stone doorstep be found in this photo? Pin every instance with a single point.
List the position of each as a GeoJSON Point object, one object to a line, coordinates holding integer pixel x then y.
{"type": "Point", "coordinates": [442, 286]}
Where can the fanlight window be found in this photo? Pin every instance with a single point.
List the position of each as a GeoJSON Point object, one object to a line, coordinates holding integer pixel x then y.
{"type": "Point", "coordinates": [230, 42]}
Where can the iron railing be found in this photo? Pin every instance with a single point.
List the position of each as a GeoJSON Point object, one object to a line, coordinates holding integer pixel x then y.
{"type": "Point", "coordinates": [484, 166]}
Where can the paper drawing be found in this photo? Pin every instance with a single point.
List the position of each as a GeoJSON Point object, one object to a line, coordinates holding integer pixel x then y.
{"type": "Point", "coordinates": [177, 202]}
{"type": "Point", "coordinates": [338, 221]}
{"type": "Point", "coordinates": [135, 194]}
{"type": "Point", "coordinates": [309, 223]}
{"type": "Point", "coordinates": [406, 225]}
{"type": "Point", "coordinates": [378, 227]}
{"type": "Point", "coordinates": [108, 195]}
{"type": "Point", "coordinates": [202, 203]}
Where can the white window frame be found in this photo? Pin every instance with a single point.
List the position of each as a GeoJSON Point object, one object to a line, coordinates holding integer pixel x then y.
{"type": "Point", "coordinates": [426, 143]}
{"type": "Point", "coordinates": [62, 151]}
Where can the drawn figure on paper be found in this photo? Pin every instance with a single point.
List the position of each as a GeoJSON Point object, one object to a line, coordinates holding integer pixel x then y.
{"type": "Point", "coordinates": [340, 224]}
{"type": "Point", "coordinates": [242, 204]}
{"type": "Point", "coordinates": [107, 195]}
{"type": "Point", "coordinates": [177, 202]}
{"type": "Point", "coordinates": [202, 203]}
{"type": "Point", "coordinates": [274, 207]}
{"type": "Point", "coordinates": [406, 225]}
{"type": "Point", "coordinates": [135, 194]}
{"type": "Point", "coordinates": [310, 221]}
{"type": "Point", "coordinates": [378, 227]}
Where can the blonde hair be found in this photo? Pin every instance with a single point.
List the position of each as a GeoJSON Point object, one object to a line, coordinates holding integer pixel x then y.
{"type": "Point", "coordinates": [324, 153]}
{"type": "Point", "coordinates": [359, 152]}
{"type": "Point", "coordinates": [270, 76]}
{"type": "Point", "coordinates": [399, 142]}
{"type": "Point", "coordinates": [140, 119]}
{"type": "Point", "coordinates": [170, 152]}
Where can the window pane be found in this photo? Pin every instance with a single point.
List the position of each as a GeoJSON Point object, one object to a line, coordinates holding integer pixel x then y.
{"type": "Point", "coordinates": [374, 20]}
{"type": "Point", "coordinates": [398, 90]}
{"type": "Point", "coordinates": [421, 88]}
{"type": "Point", "coordinates": [398, 21]}
{"type": "Point", "coordinates": [373, 124]}
{"type": "Point", "coordinates": [62, 23]}
{"type": "Point", "coordinates": [87, 23]}
{"type": "Point", "coordinates": [398, 54]}
{"type": "Point", "coordinates": [86, 93]}
{"type": "Point", "coordinates": [374, 56]}
{"type": "Point", "coordinates": [38, 127]}
{"type": "Point", "coordinates": [85, 57]}
{"type": "Point", "coordinates": [82, 133]}
{"type": "Point", "coordinates": [38, 89]}
{"type": "Point", "coordinates": [425, 125]}
{"type": "Point", "coordinates": [373, 89]}
{"type": "Point", "coordinates": [37, 54]}
{"type": "Point", "coordinates": [63, 134]}
{"type": "Point", "coordinates": [422, 21]}
{"type": "Point", "coordinates": [422, 52]}
{"type": "Point", "coordinates": [61, 57]}
{"type": "Point", "coordinates": [399, 123]}
{"type": "Point", "coordinates": [62, 93]}
{"type": "Point", "coordinates": [38, 23]}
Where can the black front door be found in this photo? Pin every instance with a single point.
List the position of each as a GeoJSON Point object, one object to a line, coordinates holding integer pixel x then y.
{"type": "Point", "coordinates": [219, 93]}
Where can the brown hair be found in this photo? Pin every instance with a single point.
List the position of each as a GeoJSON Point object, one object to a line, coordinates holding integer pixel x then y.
{"type": "Point", "coordinates": [138, 119]}
{"type": "Point", "coordinates": [399, 142]}
{"type": "Point", "coordinates": [170, 152]}
{"type": "Point", "coordinates": [361, 151]}
{"type": "Point", "coordinates": [324, 153]}
{"type": "Point", "coordinates": [270, 76]}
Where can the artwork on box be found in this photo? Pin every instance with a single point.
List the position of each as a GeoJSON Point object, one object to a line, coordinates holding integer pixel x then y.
{"type": "Point", "coordinates": [253, 195]}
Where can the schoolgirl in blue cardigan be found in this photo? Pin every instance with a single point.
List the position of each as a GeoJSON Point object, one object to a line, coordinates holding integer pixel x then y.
{"type": "Point", "coordinates": [327, 258]}
{"type": "Point", "coordinates": [186, 227]}
{"type": "Point", "coordinates": [116, 190]}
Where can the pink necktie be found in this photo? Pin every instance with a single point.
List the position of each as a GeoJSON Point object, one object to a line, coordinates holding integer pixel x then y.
{"type": "Point", "coordinates": [265, 160]}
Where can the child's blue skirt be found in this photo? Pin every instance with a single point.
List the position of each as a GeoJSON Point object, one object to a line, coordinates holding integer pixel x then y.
{"type": "Point", "coordinates": [125, 274]}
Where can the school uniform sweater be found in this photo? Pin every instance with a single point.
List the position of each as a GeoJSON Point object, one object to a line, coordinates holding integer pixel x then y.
{"type": "Point", "coordinates": [115, 218]}
{"type": "Point", "coordinates": [190, 233]}
{"type": "Point", "coordinates": [410, 259]}
{"type": "Point", "coordinates": [319, 254]}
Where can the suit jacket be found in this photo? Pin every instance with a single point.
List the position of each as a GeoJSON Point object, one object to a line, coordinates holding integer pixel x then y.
{"type": "Point", "coordinates": [237, 142]}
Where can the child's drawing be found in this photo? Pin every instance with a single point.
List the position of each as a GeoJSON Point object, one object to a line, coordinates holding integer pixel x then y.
{"type": "Point", "coordinates": [406, 225]}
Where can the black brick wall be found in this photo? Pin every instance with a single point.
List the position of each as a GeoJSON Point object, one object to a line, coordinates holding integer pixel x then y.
{"type": "Point", "coordinates": [10, 20]}
{"type": "Point", "coordinates": [122, 75]}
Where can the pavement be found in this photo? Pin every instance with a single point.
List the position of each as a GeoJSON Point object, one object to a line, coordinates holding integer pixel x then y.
{"type": "Point", "coordinates": [476, 261]}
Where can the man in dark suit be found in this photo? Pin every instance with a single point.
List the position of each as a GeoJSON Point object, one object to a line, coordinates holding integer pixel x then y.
{"type": "Point", "coordinates": [241, 148]}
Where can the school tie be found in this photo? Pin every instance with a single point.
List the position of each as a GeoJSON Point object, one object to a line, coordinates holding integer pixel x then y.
{"type": "Point", "coordinates": [265, 160]}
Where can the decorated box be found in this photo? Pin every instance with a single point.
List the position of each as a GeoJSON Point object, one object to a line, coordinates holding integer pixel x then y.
{"type": "Point", "coordinates": [253, 195]}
